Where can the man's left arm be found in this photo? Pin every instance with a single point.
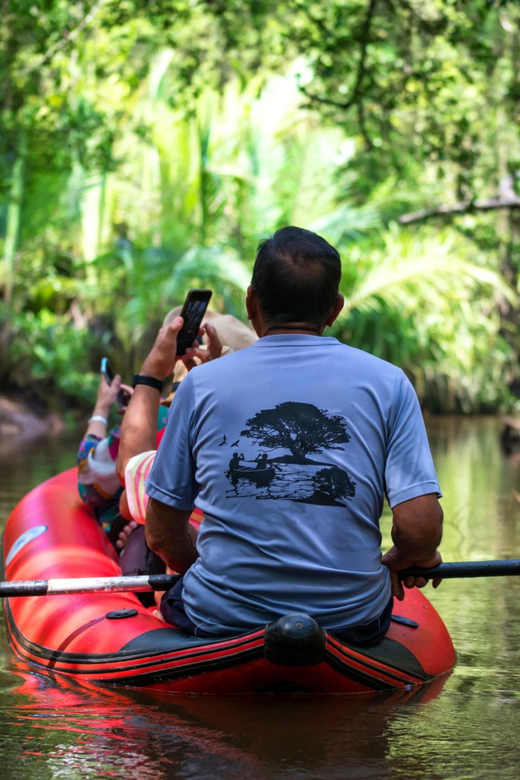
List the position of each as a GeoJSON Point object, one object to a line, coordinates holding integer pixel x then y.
{"type": "Point", "coordinates": [416, 533]}
{"type": "Point", "coordinates": [412, 490]}
{"type": "Point", "coordinates": [170, 535]}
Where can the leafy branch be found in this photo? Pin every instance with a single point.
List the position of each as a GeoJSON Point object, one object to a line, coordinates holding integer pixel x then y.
{"type": "Point", "coordinates": [356, 94]}
{"type": "Point", "coordinates": [68, 38]}
{"type": "Point", "coordinates": [507, 199]}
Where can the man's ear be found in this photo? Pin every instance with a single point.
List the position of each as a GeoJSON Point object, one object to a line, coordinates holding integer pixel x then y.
{"type": "Point", "coordinates": [336, 309]}
{"type": "Point", "coordinates": [253, 312]}
{"type": "Point", "coordinates": [251, 304]}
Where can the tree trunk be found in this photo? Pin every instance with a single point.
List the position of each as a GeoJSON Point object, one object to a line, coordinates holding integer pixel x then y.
{"type": "Point", "coordinates": [12, 238]}
{"type": "Point", "coordinates": [14, 221]}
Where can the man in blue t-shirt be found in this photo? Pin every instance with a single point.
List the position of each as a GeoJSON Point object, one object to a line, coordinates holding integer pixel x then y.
{"type": "Point", "coordinates": [289, 447]}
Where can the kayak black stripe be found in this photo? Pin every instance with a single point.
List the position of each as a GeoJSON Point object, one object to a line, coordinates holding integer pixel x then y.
{"type": "Point", "coordinates": [359, 676]}
{"type": "Point", "coordinates": [199, 651]}
{"type": "Point", "coordinates": [183, 671]}
{"type": "Point", "coordinates": [197, 662]}
{"type": "Point", "coordinates": [131, 675]}
{"type": "Point", "coordinates": [196, 669]}
{"type": "Point", "coordinates": [393, 648]}
{"type": "Point", "coordinates": [182, 664]}
{"type": "Point", "coordinates": [390, 670]}
{"type": "Point", "coordinates": [369, 674]}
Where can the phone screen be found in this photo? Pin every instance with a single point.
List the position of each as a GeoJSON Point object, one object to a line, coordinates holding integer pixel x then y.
{"type": "Point", "coordinates": [192, 312]}
{"type": "Point", "coordinates": [106, 370]}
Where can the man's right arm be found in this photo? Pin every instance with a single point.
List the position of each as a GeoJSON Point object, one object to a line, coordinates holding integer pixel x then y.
{"type": "Point", "coordinates": [170, 535]}
{"type": "Point", "coordinates": [416, 533]}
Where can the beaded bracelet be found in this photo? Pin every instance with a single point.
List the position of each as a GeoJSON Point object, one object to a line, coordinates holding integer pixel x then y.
{"type": "Point", "coordinates": [99, 418]}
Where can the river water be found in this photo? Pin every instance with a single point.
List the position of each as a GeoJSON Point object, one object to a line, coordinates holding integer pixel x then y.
{"type": "Point", "coordinates": [464, 727]}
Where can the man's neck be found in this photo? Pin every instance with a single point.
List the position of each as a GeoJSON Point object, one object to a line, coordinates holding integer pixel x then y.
{"type": "Point", "coordinates": [305, 328]}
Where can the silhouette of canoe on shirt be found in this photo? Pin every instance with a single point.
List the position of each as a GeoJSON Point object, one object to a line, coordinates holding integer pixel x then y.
{"type": "Point", "coordinates": [261, 477]}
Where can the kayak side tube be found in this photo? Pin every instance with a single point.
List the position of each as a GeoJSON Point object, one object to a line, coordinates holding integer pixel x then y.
{"type": "Point", "coordinates": [112, 639]}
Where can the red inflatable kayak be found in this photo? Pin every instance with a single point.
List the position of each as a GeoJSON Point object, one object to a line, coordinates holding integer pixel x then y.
{"type": "Point", "coordinates": [110, 638]}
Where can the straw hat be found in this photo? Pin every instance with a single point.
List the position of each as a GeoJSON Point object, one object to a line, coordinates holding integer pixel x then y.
{"type": "Point", "coordinates": [233, 334]}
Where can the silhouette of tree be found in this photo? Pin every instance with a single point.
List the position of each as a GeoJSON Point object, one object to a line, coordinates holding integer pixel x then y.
{"type": "Point", "coordinates": [298, 427]}
{"type": "Point", "coordinates": [334, 482]}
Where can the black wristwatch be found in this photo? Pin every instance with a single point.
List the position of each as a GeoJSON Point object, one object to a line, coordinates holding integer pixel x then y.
{"type": "Point", "coordinates": [151, 381]}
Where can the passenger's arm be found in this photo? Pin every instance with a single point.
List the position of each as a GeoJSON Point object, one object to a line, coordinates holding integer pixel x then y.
{"type": "Point", "coordinates": [170, 535]}
{"type": "Point", "coordinates": [138, 431]}
{"type": "Point", "coordinates": [106, 398]}
{"type": "Point", "coordinates": [139, 428]}
{"type": "Point", "coordinates": [416, 533]}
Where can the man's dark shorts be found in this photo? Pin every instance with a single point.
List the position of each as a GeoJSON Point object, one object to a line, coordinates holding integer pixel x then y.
{"type": "Point", "coordinates": [172, 608]}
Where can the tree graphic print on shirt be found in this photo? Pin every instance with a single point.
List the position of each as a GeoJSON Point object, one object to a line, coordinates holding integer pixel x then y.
{"type": "Point", "coordinates": [299, 429]}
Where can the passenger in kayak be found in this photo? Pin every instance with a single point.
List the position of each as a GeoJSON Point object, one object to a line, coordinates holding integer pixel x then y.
{"type": "Point", "coordinates": [221, 335]}
{"type": "Point", "coordinates": [346, 430]}
{"type": "Point", "coordinates": [138, 441]}
{"type": "Point", "coordinates": [98, 484]}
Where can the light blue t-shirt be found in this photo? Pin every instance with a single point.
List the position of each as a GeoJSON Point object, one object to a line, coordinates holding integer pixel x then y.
{"type": "Point", "coordinates": [289, 447]}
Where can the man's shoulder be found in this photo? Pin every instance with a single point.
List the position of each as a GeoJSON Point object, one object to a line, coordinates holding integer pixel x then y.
{"type": "Point", "coordinates": [222, 365]}
{"type": "Point", "coordinates": [357, 356]}
{"type": "Point", "coordinates": [340, 354]}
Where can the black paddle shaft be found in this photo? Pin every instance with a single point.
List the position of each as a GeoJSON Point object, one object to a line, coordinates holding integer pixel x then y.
{"type": "Point", "coordinates": [144, 583]}
{"type": "Point", "coordinates": [449, 571]}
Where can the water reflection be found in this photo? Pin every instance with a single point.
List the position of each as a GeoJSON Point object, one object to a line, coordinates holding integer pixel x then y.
{"type": "Point", "coordinates": [22, 467]}
{"type": "Point", "coordinates": [464, 727]}
{"type": "Point", "coordinates": [119, 733]}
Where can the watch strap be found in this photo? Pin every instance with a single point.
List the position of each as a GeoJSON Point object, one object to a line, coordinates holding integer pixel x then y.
{"type": "Point", "coordinates": [151, 381]}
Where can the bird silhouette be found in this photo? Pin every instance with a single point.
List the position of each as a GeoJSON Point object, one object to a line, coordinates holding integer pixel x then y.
{"type": "Point", "coordinates": [235, 443]}
{"type": "Point", "coordinates": [224, 441]}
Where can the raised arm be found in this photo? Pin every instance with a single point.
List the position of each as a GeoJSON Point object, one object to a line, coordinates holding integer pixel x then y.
{"type": "Point", "coordinates": [139, 428]}
{"type": "Point", "coordinates": [106, 398]}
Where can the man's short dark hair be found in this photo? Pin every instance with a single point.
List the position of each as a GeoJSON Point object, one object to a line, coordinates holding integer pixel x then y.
{"type": "Point", "coordinates": [296, 277]}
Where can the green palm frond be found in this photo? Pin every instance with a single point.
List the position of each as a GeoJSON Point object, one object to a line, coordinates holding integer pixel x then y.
{"type": "Point", "coordinates": [425, 303]}
{"type": "Point", "coordinates": [217, 265]}
{"type": "Point", "coordinates": [411, 269]}
{"type": "Point", "coordinates": [347, 224]}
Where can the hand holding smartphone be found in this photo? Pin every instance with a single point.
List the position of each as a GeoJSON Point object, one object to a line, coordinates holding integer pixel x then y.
{"type": "Point", "coordinates": [122, 396]}
{"type": "Point", "coordinates": [192, 313]}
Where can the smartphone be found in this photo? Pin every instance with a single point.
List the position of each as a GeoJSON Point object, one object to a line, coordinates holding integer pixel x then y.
{"type": "Point", "coordinates": [192, 312]}
{"type": "Point", "coordinates": [122, 397]}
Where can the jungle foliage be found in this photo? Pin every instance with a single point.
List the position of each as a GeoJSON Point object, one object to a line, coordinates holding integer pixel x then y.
{"type": "Point", "coordinates": [146, 147]}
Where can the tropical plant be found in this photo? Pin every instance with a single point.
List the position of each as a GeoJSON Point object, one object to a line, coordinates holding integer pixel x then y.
{"type": "Point", "coordinates": [419, 301]}
{"type": "Point", "coordinates": [146, 150]}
